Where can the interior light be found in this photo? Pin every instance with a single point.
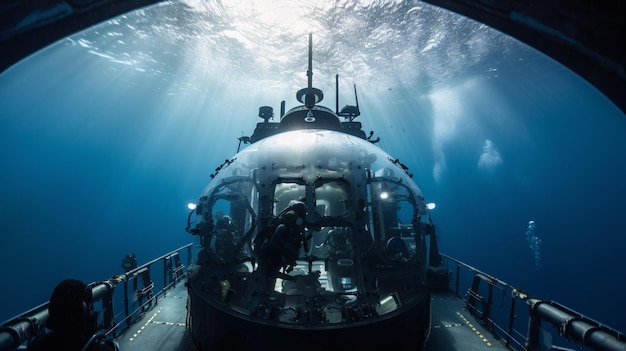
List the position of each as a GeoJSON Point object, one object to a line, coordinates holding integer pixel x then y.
{"type": "Point", "coordinates": [384, 195]}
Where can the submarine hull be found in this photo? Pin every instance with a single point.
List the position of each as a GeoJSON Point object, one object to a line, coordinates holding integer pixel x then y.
{"type": "Point", "coordinates": [212, 328]}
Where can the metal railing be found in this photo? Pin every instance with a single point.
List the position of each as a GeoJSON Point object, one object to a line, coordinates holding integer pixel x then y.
{"type": "Point", "coordinates": [147, 297]}
{"type": "Point", "coordinates": [568, 324]}
{"type": "Point", "coordinates": [17, 332]}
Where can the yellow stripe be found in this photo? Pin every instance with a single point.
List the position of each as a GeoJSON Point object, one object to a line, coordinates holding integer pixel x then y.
{"type": "Point", "coordinates": [469, 324]}
{"type": "Point", "coordinates": [144, 326]}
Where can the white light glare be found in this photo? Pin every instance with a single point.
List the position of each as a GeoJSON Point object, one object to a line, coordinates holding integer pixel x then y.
{"type": "Point", "coordinates": [191, 206]}
{"type": "Point", "coordinates": [431, 205]}
{"type": "Point", "coordinates": [384, 195]}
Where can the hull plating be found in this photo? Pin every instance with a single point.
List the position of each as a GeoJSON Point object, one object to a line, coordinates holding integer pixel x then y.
{"type": "Point", "coordinates": [212, 328]}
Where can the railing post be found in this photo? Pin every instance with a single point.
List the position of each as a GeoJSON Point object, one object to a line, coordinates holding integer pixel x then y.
{"type": "Point", "coordinates": [165, 273]}
{"type": "Point", "coordinates": [126, 312]}
{"type": "Point", "coordinates": [188, 256]}
{"type": "Point", "coordinates": [511, 319]}
{"type": "Point", "coordinates": [108, 314]}
{"type": "Point", "coordinates": [487, 308]}
{"type": "Point", "coordinates": [458, 272]}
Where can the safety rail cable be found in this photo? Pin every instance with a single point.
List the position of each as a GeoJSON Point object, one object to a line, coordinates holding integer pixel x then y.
{"type": "Point", "coordinates": [20, 329]}
{"type": "Point", "coordinates": [569, 324]}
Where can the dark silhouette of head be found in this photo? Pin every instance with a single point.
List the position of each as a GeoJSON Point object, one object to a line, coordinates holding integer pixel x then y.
{"type": "Point", "coordinates": [298, 208]}
{"type": "Point", "coordinates": [290, 218]}
{"type": "Point", "coordinates": [68, 310]}
{"type": "Point", "coordinates": [129, 262]}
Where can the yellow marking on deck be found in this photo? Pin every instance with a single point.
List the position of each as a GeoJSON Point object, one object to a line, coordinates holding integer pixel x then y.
{"type": "Point", "coordinates": [152, 321]}
{"type": "Point", "coordinates": [447, 325]}
{"type": "Point", "coordinates": [469, 324]}
{"type": "Point", "coordinates": [144, 326]}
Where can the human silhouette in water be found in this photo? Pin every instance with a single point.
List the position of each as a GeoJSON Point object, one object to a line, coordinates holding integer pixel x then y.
{"type": "Point", "coordinates": [281, 249]}
{"type": "Point", "coordinates": [71, 322]}
{"type": "Point", "coordinates": [129, 262]}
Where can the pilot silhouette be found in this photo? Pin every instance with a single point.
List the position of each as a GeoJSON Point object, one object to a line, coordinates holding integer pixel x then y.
{"type": "Point", "coordinates": [71, 321]}
{"type": "Point", "coordinates": [282, 248]}
{"type": "Point", "coordinates": [226, 237]}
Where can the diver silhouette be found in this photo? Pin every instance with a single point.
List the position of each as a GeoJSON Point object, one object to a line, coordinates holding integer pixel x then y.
{"type": "Point", "coordinates": [226, 236]}
{"type": "Point", "coordinates": [71, 321]}
{"type": "Point", "coordinates": [281, 249]}
{"type": "Point", "coordinates": [129, 262]}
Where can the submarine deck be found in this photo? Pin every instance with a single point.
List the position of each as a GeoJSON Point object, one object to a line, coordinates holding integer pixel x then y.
{"type": "Point", "coordinates": [163, 326]}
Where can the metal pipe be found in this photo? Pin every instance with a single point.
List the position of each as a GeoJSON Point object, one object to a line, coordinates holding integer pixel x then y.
{"type": "Point", "coordinates": [103, 289]}
{"type": "Point", "coordinates": [15, 333]}
{"type": "Point", "coordinates": [575, 326]}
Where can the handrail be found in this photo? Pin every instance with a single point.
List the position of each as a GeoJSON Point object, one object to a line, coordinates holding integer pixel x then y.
{"type": "Point", "coordinates": [21, 329]}
{"type": "Point", "coordinates": [569, 324]}
{"type": "Point", "coordinates": [149, 263]}
{"type": "Point", "coordinates": [134, 274]}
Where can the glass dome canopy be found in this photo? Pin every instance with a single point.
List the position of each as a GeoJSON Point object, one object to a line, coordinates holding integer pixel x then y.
{"type": "Point", "coordinates": [324, 169]}
{"type": "Point", "coordinates": [361, 259]}
{"type": "Point", "coordinates": [313, 154]}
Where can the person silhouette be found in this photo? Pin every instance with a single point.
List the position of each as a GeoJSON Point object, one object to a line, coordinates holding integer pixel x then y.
{"type": "Point", "coordinates": [71, 322]}
{"type": "Point", "coordinates": [129, 262]}
{"type": "Point", "coordinates": [282, 248]}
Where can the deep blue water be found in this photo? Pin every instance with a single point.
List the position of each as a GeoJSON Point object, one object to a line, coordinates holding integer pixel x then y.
{"type": "Point", "coordinates": [106, 136]}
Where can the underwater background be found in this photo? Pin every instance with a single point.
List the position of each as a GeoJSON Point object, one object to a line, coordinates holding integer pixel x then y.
{"type": "Point", "coordinates": [106, 136]}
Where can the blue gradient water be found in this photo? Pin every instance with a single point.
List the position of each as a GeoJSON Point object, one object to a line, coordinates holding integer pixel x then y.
{"type": "Point", "coordinates": [105, 136]}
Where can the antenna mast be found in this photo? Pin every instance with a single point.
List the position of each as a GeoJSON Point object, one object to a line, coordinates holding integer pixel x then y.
{"type": "Point", "coordinates": [309, 72]}
{"type": "Point", "coordinates": [356, 98]}
{"type": "Point", "coordinates": [310, 96]}
{"type": "Point", "coordinates": [337, 94]}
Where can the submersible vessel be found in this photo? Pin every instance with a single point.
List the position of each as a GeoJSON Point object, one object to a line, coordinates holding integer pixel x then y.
{"type": "Point", "coordinates": [311, 233]}
{"type": "Point", "coordinates": [314, 238]}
